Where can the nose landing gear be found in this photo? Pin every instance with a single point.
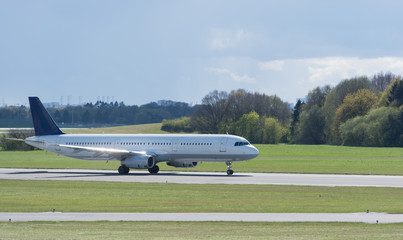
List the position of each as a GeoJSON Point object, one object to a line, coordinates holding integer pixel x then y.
{"type": "Point", "coordinates": [229, 171]}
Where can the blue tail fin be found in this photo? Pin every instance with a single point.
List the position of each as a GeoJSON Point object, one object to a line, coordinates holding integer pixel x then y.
{"type": "Point", "coordinates": [43, 122]}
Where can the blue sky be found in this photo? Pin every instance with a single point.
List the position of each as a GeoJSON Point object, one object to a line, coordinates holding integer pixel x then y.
{"type": "Point", "coordinates": [142, 51]}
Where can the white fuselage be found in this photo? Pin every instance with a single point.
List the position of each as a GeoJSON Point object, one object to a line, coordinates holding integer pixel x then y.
{"type": "Point", "coordinates": [164, 147]}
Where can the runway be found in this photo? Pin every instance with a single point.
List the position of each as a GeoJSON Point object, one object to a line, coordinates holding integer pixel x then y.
{"type": "Point", "coordinates": [328, 180]}
{"type": "Point", "coordinates": [198, 217]}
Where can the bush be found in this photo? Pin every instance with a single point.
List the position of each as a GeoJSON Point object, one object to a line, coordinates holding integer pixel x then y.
{"type": "Point", "coordinates": [382, 127]}
{"type": "Point", "coordinates": [12, 145]}
{"type": "Point", "coordinates": [310, 129]}
{"type": "Point", "coordinates": [355, 104]}
{"type": "Point", "coordinates": [249, 126]}
{"type": "Point", "coordinates": [273, 131]}
{"type": "Point", "coordinates": [177, 125]}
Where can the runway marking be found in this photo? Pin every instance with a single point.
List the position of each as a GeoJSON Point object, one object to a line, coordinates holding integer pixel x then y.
{"type": "Point", "coordinates": [198, 217]}
{"type": "Point", "coordinates": [329, 180]}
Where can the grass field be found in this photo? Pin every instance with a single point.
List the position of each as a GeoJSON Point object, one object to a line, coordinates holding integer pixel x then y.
{"type": "Point", "coordinates": [78, 196]}
{"type": "Point", "coordinates": [272, 158]}
{"type": "Point", "coordinates": [328, 159]}
{"type": "Point", "coordinates": [198, 230]}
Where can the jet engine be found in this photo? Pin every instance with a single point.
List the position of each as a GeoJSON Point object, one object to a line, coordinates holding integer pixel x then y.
{"type": "Point", "coordinates": [182, 164]}
{"type": "Point", "coordinates": [140, 162]}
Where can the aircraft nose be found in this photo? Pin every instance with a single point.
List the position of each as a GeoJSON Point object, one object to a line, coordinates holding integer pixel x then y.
{"type": "Point", "coordinates": [255, 152]}
{"type": "Point", "coordinates": [252, 152]}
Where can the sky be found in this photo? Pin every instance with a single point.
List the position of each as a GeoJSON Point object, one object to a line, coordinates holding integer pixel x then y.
{"type": "Point", "coordinates": [141, 51]}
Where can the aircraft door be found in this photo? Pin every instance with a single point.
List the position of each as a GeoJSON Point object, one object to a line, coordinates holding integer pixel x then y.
{"type": "Point", "coordinates": [174, 146]}
{"type": "Point", "coordinates": [223, 145]}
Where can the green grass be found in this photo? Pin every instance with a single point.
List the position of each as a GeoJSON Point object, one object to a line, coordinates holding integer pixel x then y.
{"type": "Point", "coordinates": [78, 196]}
{"type": "Point", "coordinates": [326, 159]}
{"type": "Point", "coordinates": [43, 159]}
{"type": "Point", "coordinates": [198, 230]}
{"type": "Point", "coordinates": [272, 158]}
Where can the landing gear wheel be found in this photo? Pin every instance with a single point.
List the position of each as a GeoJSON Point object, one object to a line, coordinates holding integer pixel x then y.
{"type": "Point", "coordinates": [123, 170]}
{"type": "Point", "coordinates": [229, 171]}
{"type": "Point", "coordinates": [154, 170]}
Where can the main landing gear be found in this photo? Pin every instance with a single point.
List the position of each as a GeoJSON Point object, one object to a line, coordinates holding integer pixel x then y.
{"type": "Point", "coordinates": [154, 170]}
{"type": "Point", "coordinates": [229, 171]}
{"type": "Point", "coordinates": [123, 170]}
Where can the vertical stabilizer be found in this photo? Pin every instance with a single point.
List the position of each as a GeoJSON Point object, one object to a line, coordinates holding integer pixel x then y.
{"type": "Point", "coordinates": [43, 122]}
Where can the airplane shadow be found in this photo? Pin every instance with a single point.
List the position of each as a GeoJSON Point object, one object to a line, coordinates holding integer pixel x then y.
{"type": "Point", "coordinates": [74, 174]}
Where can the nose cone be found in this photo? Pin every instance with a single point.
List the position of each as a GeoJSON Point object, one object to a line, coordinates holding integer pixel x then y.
{"type": "Point", "coordinates": [251, 153]}
{"type": "Point", "coordinates": [255, 152]}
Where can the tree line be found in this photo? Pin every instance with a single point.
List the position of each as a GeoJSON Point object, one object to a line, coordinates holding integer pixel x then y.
{"type": "Point", "coordinates": [359, 111]}
{"type": "Point", "coordinates": [258, 117]}
{"type": "Point", "coordinates": [102, 113]}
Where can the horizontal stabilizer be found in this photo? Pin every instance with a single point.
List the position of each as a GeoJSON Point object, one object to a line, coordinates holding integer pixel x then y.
{"type": "Point", "coordinates": [16, 139]}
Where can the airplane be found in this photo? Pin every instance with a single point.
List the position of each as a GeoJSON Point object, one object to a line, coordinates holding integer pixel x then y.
{"type": "Point", "coordinates": [138, 151]}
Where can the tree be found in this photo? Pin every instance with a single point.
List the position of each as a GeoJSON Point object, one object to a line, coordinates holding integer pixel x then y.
{"type": "Point", "coordinates": [393, 95]}
{"type": "Point", "coordinates": [212, 112]}
{"type": "Point", "coordinates": [273, 131]}
{"type": "Point", "coordinates": [317, 96]}
{"type": "Point", "coordinates": [310, 129]}
{"type": "Point", "coordinates": [356, 104]}
{"type": "Point", "coordinates": [242, 102]}
{"type": "Point", "coordinates": [336, 97]}
{"type": "Point", "coordinates": [12, 145]}
{"type": "Point", "coordinates": [381, 127]}
{"type": "Point", "coordinates": [295, 118]}
{"type": "Point", "coordinates": [249, 126]}
{"type": "Point", "coordinates": [177, 125]}
{"type": "Point", "coordinates": [381, 81]}
{"type": "Point", "coordinates": [220, 110]}
{"type": "Point", "coordinates": [86, 118]}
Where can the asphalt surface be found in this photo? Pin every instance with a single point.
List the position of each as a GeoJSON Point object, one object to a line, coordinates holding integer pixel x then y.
{"type": "Point", "coordinates": [197, 217]}
{"type": "Point", "coordinates": [204, 177]}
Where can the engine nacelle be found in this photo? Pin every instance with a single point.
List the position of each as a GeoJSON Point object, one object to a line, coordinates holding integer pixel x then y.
{"type": "Point", "coordinates": [182, 164]}
{"type": "Point", "coordinates": [140, 162]}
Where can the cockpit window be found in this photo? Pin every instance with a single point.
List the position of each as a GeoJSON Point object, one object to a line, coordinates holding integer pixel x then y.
{"type": "Point", "coordinates": [241, 143]}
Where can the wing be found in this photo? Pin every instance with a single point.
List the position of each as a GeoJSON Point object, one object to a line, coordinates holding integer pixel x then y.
{"type": "Point", "coordinates": [113, 154]}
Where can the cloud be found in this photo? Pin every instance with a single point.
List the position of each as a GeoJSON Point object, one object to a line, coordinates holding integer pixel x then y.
{"type": "Point", "coordinates": [340, 67]}
{"type": "Point", "coordinates": [235, 77]}
{"type": "Point", "coordinates": [275, 65]}
{"type": "Point", "coordinates": [294, 78]}
{"type": "Point", "coordinates": [333, 69]}
{"type": "Point", "coordinates": [224, 38]}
